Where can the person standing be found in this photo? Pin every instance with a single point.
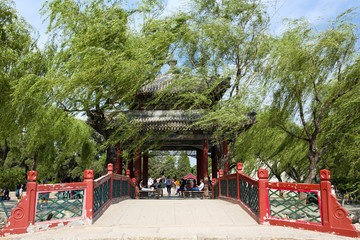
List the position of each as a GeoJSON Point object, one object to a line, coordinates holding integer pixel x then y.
{"type": "Point", "coordinates": [150, 182]}
{"type": "Point", "coordinates": [168, 185]}
{"type": "Point", "coordinates": [19, 193]}
{"type": "Point", "coordinates": [160, 186]}
{"type": "Point", "coordinates": [163, 181]}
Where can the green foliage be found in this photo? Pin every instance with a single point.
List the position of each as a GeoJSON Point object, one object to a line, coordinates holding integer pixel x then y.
{"type": "Point", "coordinates": [173, 165]}
{"type": "Point", "coordinates": [98, 58]}
{"type": "Point", "coordinates": [183, 165]}
{"type": "Point", "coordinates": [10, 178]}
{"type": "Point", "coordinates": [348, 187]}
{"type": "Point", "coordinates": [265, 145]}
{"type": "Point", "coordinates": [16, 44]}
{"type": "Point", "coordinates": [313, 75]}
{"type": "Point", "coordinates": [224, 44]}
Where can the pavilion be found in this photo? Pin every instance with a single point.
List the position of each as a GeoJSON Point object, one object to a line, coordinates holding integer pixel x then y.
{"type": "Point", "coordinates": [174, 128]}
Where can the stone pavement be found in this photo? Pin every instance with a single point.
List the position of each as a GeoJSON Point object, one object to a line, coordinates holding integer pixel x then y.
{"type": "Point", "coordinates": [170, 218]}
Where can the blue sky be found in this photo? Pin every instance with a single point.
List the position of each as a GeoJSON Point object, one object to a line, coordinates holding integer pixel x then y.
{"type": "Point", "coordinates": [317, 11]}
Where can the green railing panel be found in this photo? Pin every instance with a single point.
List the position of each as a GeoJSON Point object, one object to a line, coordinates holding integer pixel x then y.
{"type": "Point", "coordinates": [59, 205]}
{"type": "Point", "coordinates": [132, 191]}
{"type": "Point", "coordinates": [249, 195]}
{"type": "Point", "coordinates": [216, 191]}
{"type": "Point", "coordinates": [4, 207]}
{"type": "Point", "coordinates": [254, 199]}
{"type": "Point", "coordinates": [233, 191]}
{"type": "Point", "coordinates": [106, 191]}
{"type": "Point", "coordinates": [124, 188]}
{"type": "Point", "coordinates": [102, 195]}
{"type": "Point", "coordinates": [288, 205]}
{"type": "Point", "coordinates": [244, 191]}
{"type": "Point", "coordinates": [116, 188]}
{"type": "Point", "coordinates": [223, 184]}
{"type": "Point", "coordinates": [98, 192]}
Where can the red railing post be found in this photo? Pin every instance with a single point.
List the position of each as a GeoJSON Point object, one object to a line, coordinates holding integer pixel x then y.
{"type": "Point", "coordinates": [31, 189]}
{"type": "Point", "coordinates": [263, 176]}
{"type": "Point", "coordinates": [23, 216]}
{"type": "Point", "coordinates": [334, 217]}
{"type": "Point", "coordinates": [110, 169]}
{"type": "Point", "coordinates": [213, 190]}
{"type": "Point", "coordinates": [239, 167]}
{"type": "Point", "coordinates": [89, 195]}
{"type": "Point", "coordinates": [127, 172]}
{"type": "Point", "coordinates": [221, 172]}
{"type": "Point", "coordinates": [325, 189]}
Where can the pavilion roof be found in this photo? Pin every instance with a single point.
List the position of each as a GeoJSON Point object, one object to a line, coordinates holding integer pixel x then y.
{"type": "Point", "coordinates": [159, 83]}
{"type": "Point", "coordinates": [165, 119]}
{"type": "Point", "coordinates": [164, 80]}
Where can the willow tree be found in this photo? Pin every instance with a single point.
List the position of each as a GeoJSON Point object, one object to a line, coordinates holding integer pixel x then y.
{"type": "Point", "coordinates": [315, 79]}
{"type": "Point", "coordinates": [225, 40]}
{"type": "Point", "coordinates": [15, 43]}
{"type": "Point", "coordinates": [102, 59]}
{"type": "Point", "coordinates": [265, 145]}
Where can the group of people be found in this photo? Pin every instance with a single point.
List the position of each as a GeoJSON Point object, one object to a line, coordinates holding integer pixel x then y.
{"type": "Point", "coordinates": [5, 193]}
{"type": "Point", "coordinates": [189, 186]}
{"type": "Point", "coordinates": [157, 185]}
{"type": "Point", "coordinates": [160, 183]}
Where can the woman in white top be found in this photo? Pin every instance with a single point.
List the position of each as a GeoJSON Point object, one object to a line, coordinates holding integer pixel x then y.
{"type": "Point", "coordinates": [142, 187]}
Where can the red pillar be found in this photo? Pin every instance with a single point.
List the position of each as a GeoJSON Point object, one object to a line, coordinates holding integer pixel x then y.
{"type": "Point", "coordinates": [118, 166]}
{"type": "Point", "coordinates": [263, 176]}
{"type": "Point", "coordinates": [145, 167]}
{"type": "Point", "coordinates": [205, 161]}
{"type": "Point", "coordinates": [137, 166]}
{"type": "Point", "coordinates": [214, 165]}
{"type": "Point", "coordinates": [131, 168]}
{"type": "Point", "coordinates": [225, 152]}
{"type": "Point", "coordinates": [198, 164]}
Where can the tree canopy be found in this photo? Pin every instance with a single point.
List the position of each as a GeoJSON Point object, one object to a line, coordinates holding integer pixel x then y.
{"type": "Point", "coordinates": [314, 76]}
{"type": "Point", "coordinates": [64, 106]}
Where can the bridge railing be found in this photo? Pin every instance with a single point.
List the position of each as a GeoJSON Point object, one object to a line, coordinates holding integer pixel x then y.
{"type": "Point", "coordinates": [239, 188]}
{"type": "Point", "coordinates": [47, 206]}
{"type": "Point", "coordinates": [306, 206]}
{"type": "Point", "coordinates": [109, 188]}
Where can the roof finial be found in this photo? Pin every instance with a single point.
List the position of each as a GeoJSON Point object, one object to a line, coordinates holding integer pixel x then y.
{"type": "Point", "coordinates": [172, 63]}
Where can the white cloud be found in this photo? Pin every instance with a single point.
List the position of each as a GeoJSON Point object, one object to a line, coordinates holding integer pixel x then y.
{"type": "Point", "coordinates": [173, 6]}
{"type": "Point", "coordinates": [318, 12]}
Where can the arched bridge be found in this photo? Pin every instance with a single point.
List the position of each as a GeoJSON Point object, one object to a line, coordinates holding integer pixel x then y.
{"type": "Point", "coordinates": [251, 206]}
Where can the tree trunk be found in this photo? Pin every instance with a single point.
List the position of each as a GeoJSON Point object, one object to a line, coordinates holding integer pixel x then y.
{"type": "Point", "coordinates": [314, 158]}
{"type": "Point", "coordinates": [222, 159]}
{"type": "Point", "coordinates": [33, 162]}
{"type": "Point", "coordinates": [5, 152]}
{"type": "Point", "coordinates": [111, 157]}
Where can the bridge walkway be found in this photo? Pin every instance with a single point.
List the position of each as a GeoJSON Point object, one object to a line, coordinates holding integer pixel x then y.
{"type": "Point", "coordinates": [171, 218]}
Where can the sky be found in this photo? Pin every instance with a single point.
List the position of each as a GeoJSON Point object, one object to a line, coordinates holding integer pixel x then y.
{"type": "Point", "coordinates": [316, 11]}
